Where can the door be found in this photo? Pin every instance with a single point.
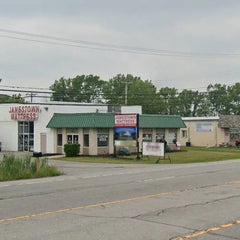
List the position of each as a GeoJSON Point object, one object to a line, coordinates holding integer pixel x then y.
{"type": "Point", "coordinates": [43, 143]}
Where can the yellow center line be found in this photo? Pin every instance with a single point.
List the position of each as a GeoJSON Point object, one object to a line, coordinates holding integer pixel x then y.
{"type": "Point", "coordinates": [121, 201]}
{"type": "Point", "coordinates": [202, 232]}
{"type": "Point", "coordinates": [87, 206]}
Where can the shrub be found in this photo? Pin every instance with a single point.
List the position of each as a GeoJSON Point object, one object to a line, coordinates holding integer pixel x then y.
{"type": "Point", "coordinates": [71, 149]}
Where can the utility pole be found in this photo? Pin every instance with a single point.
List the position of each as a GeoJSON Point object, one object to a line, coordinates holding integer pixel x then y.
{"type": "Point", "coordinates": [126, 93]}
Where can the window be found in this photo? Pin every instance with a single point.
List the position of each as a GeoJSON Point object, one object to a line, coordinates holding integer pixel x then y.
{"type": "Point", "coordinates": [184, 133]}
{"type": "Point", "coordinates": [102, 140]}
{"type": "Point", "coordinates": [72, 138]}
{"type": "Point", "coordinates": [59, 139]}
{"type": "Point", "coordinates": [147, 137]}
{"type": "Point", "coordinates": [86, 140]}
{"type": "Point", "coordinates": [160, 136]}
{"type": "Point", "coordinates": [171, 137]}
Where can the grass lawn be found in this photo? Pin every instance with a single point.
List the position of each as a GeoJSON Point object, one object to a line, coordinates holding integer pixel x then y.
{"type": "Point", "coordinates": [187, 155]}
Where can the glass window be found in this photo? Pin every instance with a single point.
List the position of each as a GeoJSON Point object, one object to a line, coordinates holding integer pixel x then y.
{"type": "Point", "coordinates": [172, 136]}
{"type": "Point", "coordinates": [147, 137]}
{"type": "Point", "coordinates": [86, 140]}
{"type": "Point", "coordinates": [75, 139]}
{"type": "Point", "coordinates": [31, 127]}
{"type": "Point", "coordinates": [184, 133]}
{"type": "Point", "coordinates": [26, 129]}
{"type": "Point", "coordinates": [102, 140]}
{"type": "Point", "coordinates": [69, 138]}
{"type": "Point", "coordinates": [72, 138]}
{"type": "Point", "coordinates": [160, 136]}
{"type": "Point", "coordinates": [59, 139]}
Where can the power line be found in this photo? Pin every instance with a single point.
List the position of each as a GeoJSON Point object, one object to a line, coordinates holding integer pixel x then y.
{"type": "Point", "coordinates": [111, 47]}
{"type": "Point", "coordinates": [8, 86]}
{"type": "Point", "coordinates": [23, 91]}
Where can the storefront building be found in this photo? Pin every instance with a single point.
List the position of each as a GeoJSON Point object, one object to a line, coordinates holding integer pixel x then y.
{"type": "Point", "coordinates": [46, 127]}
{"type": "Point", "coordinates": [23, 126]}
{"type": "Point", "coordinates": [95, 131]}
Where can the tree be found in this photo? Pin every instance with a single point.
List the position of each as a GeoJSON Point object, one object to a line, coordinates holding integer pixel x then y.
{"type": "Point", "coordinates": [219, 99]}
{"type": "Point", "coordinates": [234, 95]}
{"type": "Point", "coordinates": [142, 93]}
{"type": "Point", "coordinates": [114, 89]}
{"type": "Point", "coordinates": [11, 99]}
{"type": "Point", "coordinates": [170, 101]}
{"type": "Point", "coordinates": [84, 88]}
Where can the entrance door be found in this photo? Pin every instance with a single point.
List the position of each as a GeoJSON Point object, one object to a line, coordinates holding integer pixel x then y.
{"type": "Point", "coordinates": [25, 136]}
{"type": "Point", "coordinates": [25, 142]}
{"type": "Point", "coordinates": [43, 143]}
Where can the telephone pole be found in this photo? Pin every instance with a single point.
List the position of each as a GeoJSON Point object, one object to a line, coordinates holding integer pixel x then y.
{"type": "Point", "coordinates": [126, 93]}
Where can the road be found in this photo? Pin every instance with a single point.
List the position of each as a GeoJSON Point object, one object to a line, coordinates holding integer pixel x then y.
{"type": "Point", "coordinates": [125, 202]}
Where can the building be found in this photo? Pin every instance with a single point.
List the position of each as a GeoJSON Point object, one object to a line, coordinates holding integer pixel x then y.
{"type": "Point", "coordinates": [210, 131]}
{"type": "Point", "coordinates": [23, 126]}
{"type": "Point", "coordinates": [46, 127]}
{"type": "Point", "coordinates": [95, 131]}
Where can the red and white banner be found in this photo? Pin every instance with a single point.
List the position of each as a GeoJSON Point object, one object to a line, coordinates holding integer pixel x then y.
{"type": "Point", "coordinates": [153, 149]}
{"type": "Point", "coordinates": [125, 120]}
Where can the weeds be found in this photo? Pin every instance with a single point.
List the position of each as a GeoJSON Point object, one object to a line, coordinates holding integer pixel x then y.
{"type": "Point", "coordinates": [13, 168]}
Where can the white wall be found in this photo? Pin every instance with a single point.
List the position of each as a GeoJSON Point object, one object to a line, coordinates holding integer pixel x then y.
{"type": "Point", "coordinates": [131, 109]}
{"type": "Point", "coordinates": [9, 128]}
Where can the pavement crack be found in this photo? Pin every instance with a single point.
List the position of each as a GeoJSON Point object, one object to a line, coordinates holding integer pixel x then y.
{"type": "Point", "coordinates": [163, 211]}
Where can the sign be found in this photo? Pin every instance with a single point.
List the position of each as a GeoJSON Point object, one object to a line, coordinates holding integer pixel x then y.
{"type": "Point", "coordinates": [153, 149]}
{"type": "Point", "coordinates": [24, 113]}
{"type": "Point", "coordinates": [125, 133]}
{"type": "Point", "coordinates": [125, 143]}
{"type": "Point", "coordinates": [126, 120]}
{"type": "Point", "coordinates": [126, 130]}
{"type": "Point", "coordinates": [204, 127]}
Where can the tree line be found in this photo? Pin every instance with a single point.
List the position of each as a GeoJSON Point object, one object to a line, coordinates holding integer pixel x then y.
{"type": "Point", "coordinates": [218, 99]}
{"type": "Point", "coordinates": [122, 89]}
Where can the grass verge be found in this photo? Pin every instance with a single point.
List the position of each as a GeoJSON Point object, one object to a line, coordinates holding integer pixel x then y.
{"type": "Point", "coordinates": [13, 168]}
{"type": "Point", "coordinates": [187, 155]}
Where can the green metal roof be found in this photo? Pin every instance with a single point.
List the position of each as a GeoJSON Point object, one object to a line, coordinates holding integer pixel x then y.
{"type": "Point", "coordinates": [106, 120]}
{"type": "Point", "coordinates": [160, 121]}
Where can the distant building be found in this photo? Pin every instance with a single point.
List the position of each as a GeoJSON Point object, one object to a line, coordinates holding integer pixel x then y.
{"type": "Point", "coordinates": [210, 131]}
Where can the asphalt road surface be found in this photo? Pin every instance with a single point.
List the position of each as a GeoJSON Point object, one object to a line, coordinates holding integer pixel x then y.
{"type": "Point", "coordinates": [125, 202]}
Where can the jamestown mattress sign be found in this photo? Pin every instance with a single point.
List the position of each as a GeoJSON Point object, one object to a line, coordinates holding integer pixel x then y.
{"type": "Point", "coordinates": [24, 113]}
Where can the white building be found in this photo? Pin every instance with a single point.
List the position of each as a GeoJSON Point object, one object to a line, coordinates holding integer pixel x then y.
{"type": "Point", "coordinates": [23, 126]}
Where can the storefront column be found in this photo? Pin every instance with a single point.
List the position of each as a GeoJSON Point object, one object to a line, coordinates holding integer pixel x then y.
{"type": "Point", "coordinates": [140, 139]}
{"type": "Point", "coordinates": [64, 138]}
{"type": "Point", "coordinates": [81, 140]}
{"type": "Point", "coordinates": [178, 135]}
{"type": "Point", "coordinates": [93, 142]}
{"type": "Point", "coordinates": [111, 141]}
{"type": "Point", "coordinates": [154, 135]}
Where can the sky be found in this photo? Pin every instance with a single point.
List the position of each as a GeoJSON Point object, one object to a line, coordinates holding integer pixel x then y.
{"type": "Point", "coordinates": [174, 43]}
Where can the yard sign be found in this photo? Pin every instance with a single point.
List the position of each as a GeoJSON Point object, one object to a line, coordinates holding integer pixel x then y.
{"type": "Point", "coordinates": [153, 149]}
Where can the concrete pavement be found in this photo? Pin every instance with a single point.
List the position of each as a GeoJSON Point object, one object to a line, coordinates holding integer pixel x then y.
{"type": "Point", "coordinates": [112, 201]}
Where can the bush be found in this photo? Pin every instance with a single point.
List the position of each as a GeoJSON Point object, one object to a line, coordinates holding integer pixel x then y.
{"type": "Point", "coordinates": [71, 149]}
